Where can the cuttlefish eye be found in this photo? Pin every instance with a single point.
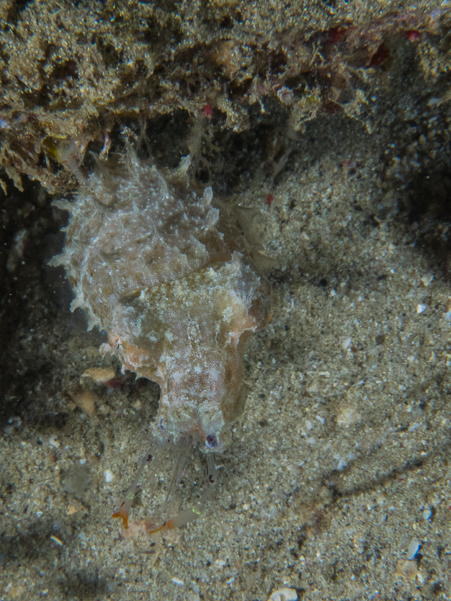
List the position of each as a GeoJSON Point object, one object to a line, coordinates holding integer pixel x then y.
{"type": "Point", "coordinates": [211, 441]}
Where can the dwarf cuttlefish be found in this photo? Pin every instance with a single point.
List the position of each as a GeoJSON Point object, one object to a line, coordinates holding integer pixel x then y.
{"type": "Point", "coordinates": [154, 264]}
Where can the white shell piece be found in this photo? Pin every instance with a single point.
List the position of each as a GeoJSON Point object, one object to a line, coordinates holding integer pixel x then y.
{"type": "Point", "coordinates": [413, 549]}
{"type": "Point", "coordinates": [284, 594]}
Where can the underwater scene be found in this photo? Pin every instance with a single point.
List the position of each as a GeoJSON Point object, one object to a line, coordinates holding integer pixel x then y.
{"type": "Point", "coordinates": [225, 300]}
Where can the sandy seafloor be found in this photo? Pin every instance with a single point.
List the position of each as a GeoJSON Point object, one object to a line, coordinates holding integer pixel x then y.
{"type": "Point", "coordinates": [337, 483]}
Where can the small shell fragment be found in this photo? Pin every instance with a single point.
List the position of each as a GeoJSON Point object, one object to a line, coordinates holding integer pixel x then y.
{"type": "Point", "coordinates": [407, 568]}
{"type": "Point", "coordinates": [87, 402]}
{"type": "Point", "coordinates": [413, 549]}
{"type": "Point", "coordinates": [346, 343]}
{"type": "Point", "coordinates": [100, 375]}
{"type": "Point", "coordinates": [427, 513]}
{"type": "Point", "coordinates": [427, 279]}
{"type": "Point", "coordinates": [284, 594]}
{"type": "Point", "coordinates": [421, 308]}
{"type": "Point", "coordinates": [54, 442]}
{"type": "Point", "coordinates": [56, 540]}
{"type": "Point", "coordinates": [109, 476]}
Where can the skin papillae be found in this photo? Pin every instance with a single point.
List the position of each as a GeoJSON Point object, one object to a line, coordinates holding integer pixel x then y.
{"type": "Point", "coordinates": [149, 264]}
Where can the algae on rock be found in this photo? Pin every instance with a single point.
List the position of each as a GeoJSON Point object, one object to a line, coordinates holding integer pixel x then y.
{"type": "Point", "coordinates": [69, 73]}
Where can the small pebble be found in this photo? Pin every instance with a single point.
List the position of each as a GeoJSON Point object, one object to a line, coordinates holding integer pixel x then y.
{"type": "Point", "coordinates": [427, 279]}
{"type": "Point", "coordinates": [87, 402]}
{"type": "Point", "coordinates": [346, 343]}
{"type": "Point", "coordinates": [407, 568]}
{"type": "Point", "coordinates": [100, 375]}
{"type": "Point", "coordinates": [341, 465]}
{"type": "Point", "coordinates": [413, 549]}
{"type": "Point", "coordinates": [284, 594]}
{"type": "Point", "coordinates": [108, 476]}
{"type": "Point", "coordinates": [220, 563]}
{"type": "Point", "coordinates": [53, 442]}
{"type": "Point", "coordinates": [427, 513]}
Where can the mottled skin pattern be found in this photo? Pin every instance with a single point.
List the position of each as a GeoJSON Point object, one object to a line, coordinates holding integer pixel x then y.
{"type": "Point", "coordinates": [149, 265]}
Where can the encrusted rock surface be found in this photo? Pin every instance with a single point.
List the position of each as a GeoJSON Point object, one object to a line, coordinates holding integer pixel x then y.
{"type": "Point", "coordinates": [72, 73]}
